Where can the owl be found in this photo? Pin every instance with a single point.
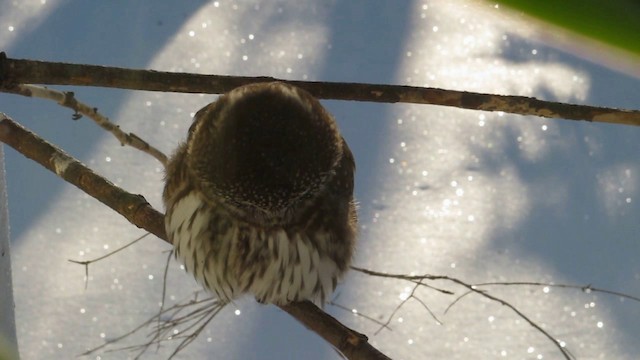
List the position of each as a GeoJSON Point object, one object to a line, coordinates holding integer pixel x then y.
{"type": "Point", "coordinates": [259, 199]}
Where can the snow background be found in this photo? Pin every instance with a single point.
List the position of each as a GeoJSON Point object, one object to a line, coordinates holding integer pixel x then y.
{"type": "Point", "coordinates": [476, 195]}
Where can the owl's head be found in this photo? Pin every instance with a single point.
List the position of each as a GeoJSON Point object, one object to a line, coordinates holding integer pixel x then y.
{"type": "Point", "coordinates": [263, 147]}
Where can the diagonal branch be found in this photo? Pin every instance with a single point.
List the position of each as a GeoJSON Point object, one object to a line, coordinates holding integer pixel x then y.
{"type": "Point", "coordinates": [68, 99]}
{"type": "Point", "coordinates": [136, 209]}
{"type": "Point", "coordinates": [21, 71]}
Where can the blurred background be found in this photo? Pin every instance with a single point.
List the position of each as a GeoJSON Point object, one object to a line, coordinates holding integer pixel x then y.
{"type": "Point", "coordinates": [480, 196]}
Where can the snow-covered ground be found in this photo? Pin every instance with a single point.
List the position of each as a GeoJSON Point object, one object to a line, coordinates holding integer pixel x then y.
{"type": "Point", "coordinates": [480, 196]}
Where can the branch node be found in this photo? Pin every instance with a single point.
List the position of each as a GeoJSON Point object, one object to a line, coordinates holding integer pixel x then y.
{"type": "Point", "coordinates": [354, 339]}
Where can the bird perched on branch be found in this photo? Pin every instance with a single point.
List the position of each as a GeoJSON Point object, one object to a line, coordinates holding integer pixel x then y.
{"type": "Point", "coordinates": [259, 198]}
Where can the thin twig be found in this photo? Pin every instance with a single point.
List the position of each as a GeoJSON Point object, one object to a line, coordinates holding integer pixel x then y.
{"type": "Point", "coordinates": [86, 263]}
{"type": "Point", "coordinates": [585, 288]}
{"type": "Point", "coordinates": [457, 300]}
{"type": "Point", "coordinates": [164, 284]}
{"type": "Point", "coordinates": [21, 71]}
{"type": "Point", "coordinates": [563, 350]}
{"type": "Point", "coordinates": [412, 278]}
{"type": "Point", "coordinates": [68, 99]}
{"type": "Point", "coordinates": [189, 338]}
{"type": "Point", "coordinates": [424, 305]}
{"type": "Point", "coordinates": [411, 296]}
{"type": "Point", "coordinates": [472, 288]}
{"type": "Point", "coordinates": [356, 313]}
{"type": "Point", "coordinates": [206, 311]}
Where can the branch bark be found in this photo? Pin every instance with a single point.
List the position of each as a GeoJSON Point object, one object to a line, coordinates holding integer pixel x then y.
{"type": "Point", "coordinates": [138, 211]}
{"type": "Point", "coordinates": [21, 71]}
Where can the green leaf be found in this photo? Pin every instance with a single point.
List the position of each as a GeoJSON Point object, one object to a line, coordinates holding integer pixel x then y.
{"type": "Point", "coordinates": [613, 22]}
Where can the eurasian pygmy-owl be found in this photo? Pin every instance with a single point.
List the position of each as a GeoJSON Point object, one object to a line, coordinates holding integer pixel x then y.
{"type": "Point", "coordinates": [259, 198]}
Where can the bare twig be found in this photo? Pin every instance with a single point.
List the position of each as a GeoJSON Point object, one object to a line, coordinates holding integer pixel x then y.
{"type": "Point", "coordinates": [161, 325]}
{"type": "Point", "coordinates": [411, 296]}
{"type": "Point", "coordinates": [585, 288]}
{"type": "Point", "coordinates": [198, 319]}
{"type": "Point", "coordinates": [86, 263]}
{"type": "Point", "coordinates": [20, 71]}
{"type": "Point", "coordinates": [417, 279]}
{"type": "Point", "coordinates": [164, 285]}
{"type": "Point", "coordinates": [136, 209]}
{"type": "Point", "coordinates": [68, 99]}
{"type": "Point", "coordinates": [563, 350]}
{"type": "Point", "coordinates": [357, 313]}
{"type": "Point", "coordinates": [171, 324]}
{"type": "Point", "coordinates": [457, 300]}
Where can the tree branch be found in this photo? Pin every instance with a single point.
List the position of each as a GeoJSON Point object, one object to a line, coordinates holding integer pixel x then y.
{"type": "Point", "coordinates": [138, 211]}
{"type": "Point", "coordinates": [133, 207]}
{"type": "Point", "coordinates": [20, 71]}
{"type": "Point", "coordinates": [68, 100]}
